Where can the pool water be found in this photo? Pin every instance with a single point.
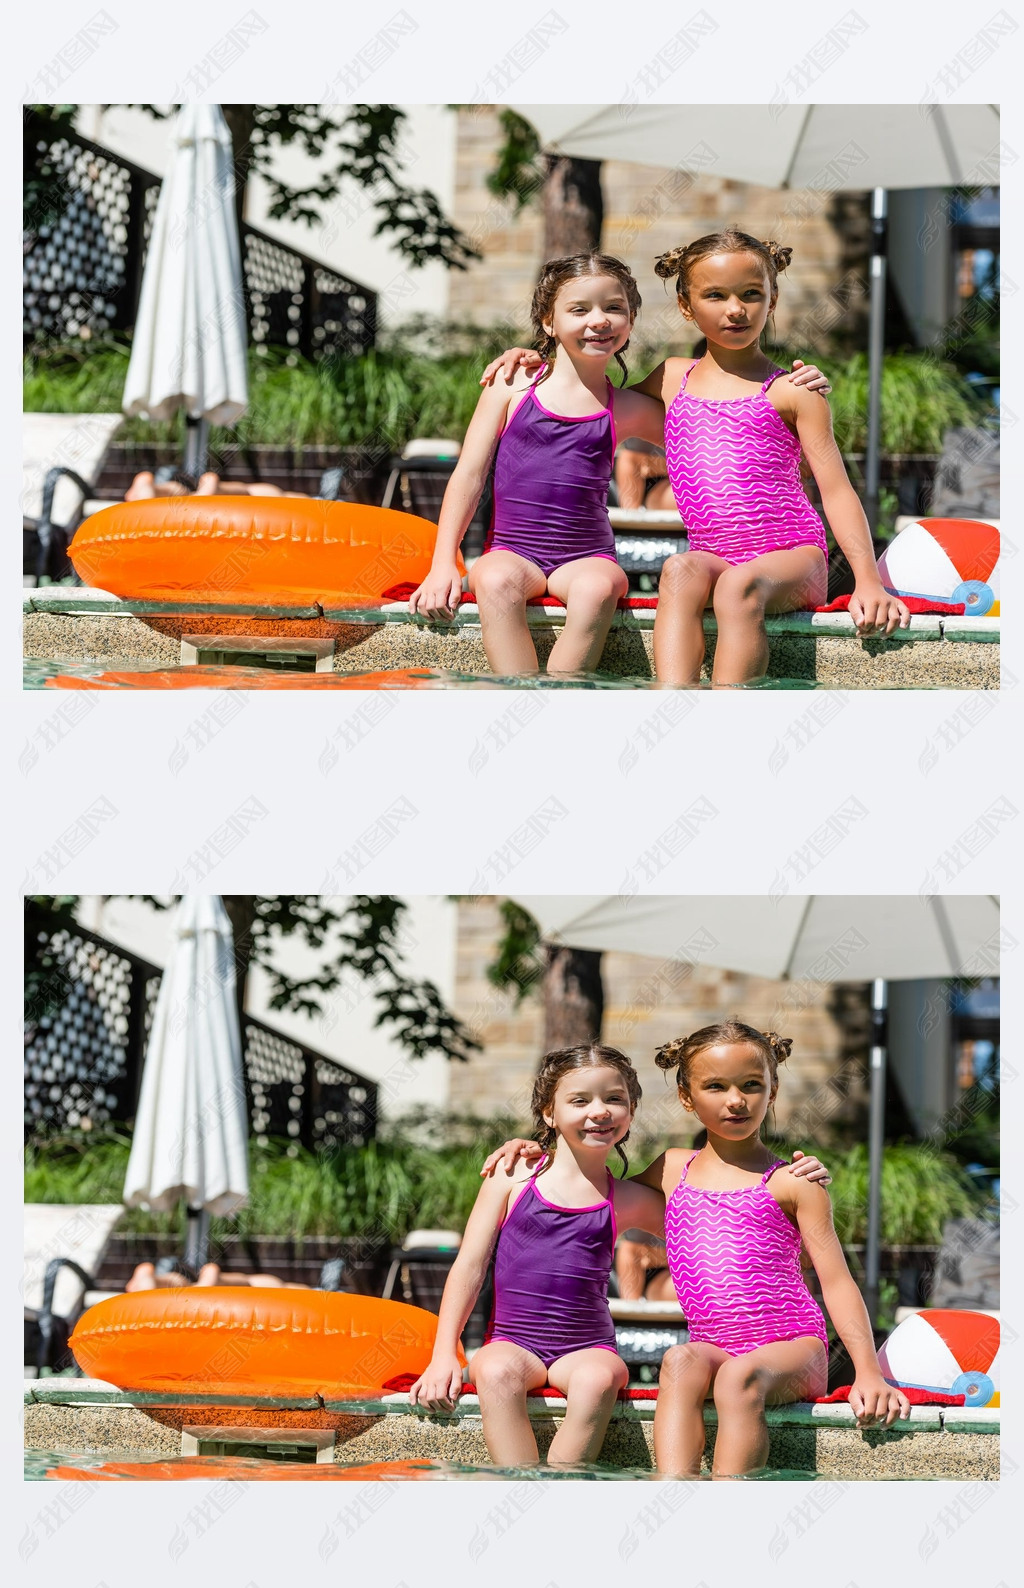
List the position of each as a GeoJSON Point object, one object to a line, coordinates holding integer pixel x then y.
{"type": "Point", "coordinates": [38, 674]}
{"type": "Point", "coordinates": [43, 1464]}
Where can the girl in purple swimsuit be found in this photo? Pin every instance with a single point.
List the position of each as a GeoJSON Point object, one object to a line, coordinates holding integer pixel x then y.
{"type": "Point", "coordinates": [554, 432]}
{"type": "Point", "coordinates": [552, 1230]}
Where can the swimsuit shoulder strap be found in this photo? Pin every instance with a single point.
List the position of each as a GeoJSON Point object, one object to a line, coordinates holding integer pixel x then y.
{"type": "Point", "coordinates": [686, 1166]}
{"type": "Point", "coordinates": [780, 1163]}
{"type": "Point", "coordinates": [774, 376]}
{"type": "Point", "coordinates": [533, 384]}
{"type": "Point", "coordinates": [682, 387]}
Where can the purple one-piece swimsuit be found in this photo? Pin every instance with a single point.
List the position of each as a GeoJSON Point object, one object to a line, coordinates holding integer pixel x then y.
{"type": "Point", "coordinates": [551, 1271]}
{"type": "Point", "coordinates": [551, 478]}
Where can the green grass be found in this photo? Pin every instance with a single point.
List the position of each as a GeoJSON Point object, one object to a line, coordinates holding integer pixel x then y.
{"type": "Point", "coordinates": [409, 1181]}
{"type": "Point", "coordinates": [427, 384]}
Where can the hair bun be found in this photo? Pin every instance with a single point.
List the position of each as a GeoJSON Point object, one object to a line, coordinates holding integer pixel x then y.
{"type": "Point", "coordinates": [667, 1056]}
{"type": "Point", "coordinates": [782, 1047]}
{"type": "Point", "coordinates": [780, 254]}
{"type": "Point", "coordinates": [667, 265]}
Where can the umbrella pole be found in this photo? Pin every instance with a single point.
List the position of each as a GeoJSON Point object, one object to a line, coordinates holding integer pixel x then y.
{"type": "Point", "coordinates": [197, 1238]}
{"type": "Point", "coordinates": [876, 1143]}
{"type": "Point", "coordinates": [197, 446]}
{"type": "Point", "coordinates": [876, 351]}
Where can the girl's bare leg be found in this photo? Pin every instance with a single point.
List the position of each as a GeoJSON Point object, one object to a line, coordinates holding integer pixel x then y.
{"type": "Point", "coordinates": [684, 1382]}
{"type": "Point", "coordinates": [590, 1382]}
{"type": "Point", "coordinates": [773, 1375]}
{"type": "Point", "coordinates": [503, 1374]}
{"type": "Point", "coordinates": [502, 583]}
{"type": "Point", "coordinates": [590, 589]}
{"type": "Point", "coordinates": [684, 590]}
{"type": "Point", "coordinates": [781, 581]}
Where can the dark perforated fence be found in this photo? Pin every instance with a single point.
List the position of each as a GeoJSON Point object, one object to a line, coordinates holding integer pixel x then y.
{"type": "Point", "coordinates": [84, 257]}
{"type": "Point", "coordinates": [86, 1027]}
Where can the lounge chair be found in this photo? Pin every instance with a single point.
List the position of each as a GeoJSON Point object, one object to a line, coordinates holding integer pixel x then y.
{"type": "Point", "coordinates": [64, 1248]}
{"type": "Point", "coordinates": [419, 476]}
{"type": "Point", "coordinates": [62, 456]}
{"type": "Point", "coordinates": [419, 1267]}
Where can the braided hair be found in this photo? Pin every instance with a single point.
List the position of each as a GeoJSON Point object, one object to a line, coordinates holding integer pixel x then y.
{"type": "Point", "coordinates": [561, 1062]}
{"type": "Point", "coordinates": [555, 275]}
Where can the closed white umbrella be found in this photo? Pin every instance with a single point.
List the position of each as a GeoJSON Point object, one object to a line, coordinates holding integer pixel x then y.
{"type": "Point", "coordinates": [189, 343]}
{"type": "Point", "coordinates": [825, 147]}
{"type": "Point", "coordinates": [819, 937]}
{"type": "Point", "coordinates": [190, 1140]}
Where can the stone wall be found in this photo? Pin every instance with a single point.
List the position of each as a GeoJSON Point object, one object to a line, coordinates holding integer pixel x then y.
{"type": "Point", "coordinates": [647, 1002]}
{"type": "Point", "coordinates": [648, 210]}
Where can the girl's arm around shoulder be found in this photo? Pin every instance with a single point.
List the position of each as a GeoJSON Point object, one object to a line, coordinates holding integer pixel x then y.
{"type": "Point", "coordinates": [638, 1205]}
{"type": "Point", "coordinates": [666, 1171]}
{"type": "Point", "coordinates": [664, 381]}
{"type": "Point", "coordinates": [638, 414]}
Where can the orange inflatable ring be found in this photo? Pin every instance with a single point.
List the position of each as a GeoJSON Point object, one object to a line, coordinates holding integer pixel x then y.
{"type": "Point", "coordinates": [218, 1468]}
{"type": "Point", "coordinates": [252, 550]}
{"type": "Point", "coordinates": [239, 1340]}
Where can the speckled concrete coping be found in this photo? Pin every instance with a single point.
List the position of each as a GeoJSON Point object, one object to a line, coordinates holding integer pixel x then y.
{"type": "Point", "coordinates": [85, 1414]}
{"type": "Point", "coordinates": [82, 625]}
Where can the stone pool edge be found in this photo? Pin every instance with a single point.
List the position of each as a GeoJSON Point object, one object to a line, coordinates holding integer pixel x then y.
{"type": "Point", "coordinates": [942, 1442]}
{"type": "Point", "coordinates": [71, 625]}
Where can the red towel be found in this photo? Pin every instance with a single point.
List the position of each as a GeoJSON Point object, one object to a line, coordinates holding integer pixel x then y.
{"type": "Point", "coordinates": [915, 605]}
{"type": "Point", "coordinates": [405, 1381]}
{"type": "Point", "coordinates": [402, 592]}
{"type": "Point", "coordinates": [916, 1397]}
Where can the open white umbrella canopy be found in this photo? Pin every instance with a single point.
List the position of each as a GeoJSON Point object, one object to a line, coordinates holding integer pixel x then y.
{"type": "Point", "coordinates": [818, 937]}
{"type": "Point", "coordinates": [189, 344]}
{"type": "Point", "coordinates": [824, 147]}
{"type": "Point", "coordinates": [794, 146]}
{"type": "Point", "coordinates": [191, 1128]}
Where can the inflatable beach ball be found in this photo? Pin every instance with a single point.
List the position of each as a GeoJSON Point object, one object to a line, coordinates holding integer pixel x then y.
{"type": "Point", "coordinates": [946, 559]}
{"type": "Point", "coordinates": [956, 1353]}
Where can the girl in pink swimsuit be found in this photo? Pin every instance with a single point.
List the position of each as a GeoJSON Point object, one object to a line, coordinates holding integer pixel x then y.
{"type": "Point", "coordinates": [734, 435]}
{"type": "Point", "coordinates": [735, 1221]}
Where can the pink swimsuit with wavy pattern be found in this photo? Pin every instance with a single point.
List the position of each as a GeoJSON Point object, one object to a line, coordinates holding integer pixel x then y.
{"type": "Point", "coordinates": [734, 465]}
{"type": "Point", "coordinates": [734, 1258]}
